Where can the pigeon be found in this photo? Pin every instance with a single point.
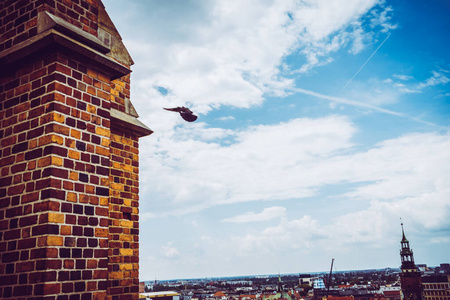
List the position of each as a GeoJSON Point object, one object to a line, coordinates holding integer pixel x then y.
{"type": "Point", "coordinates": [185, 113]}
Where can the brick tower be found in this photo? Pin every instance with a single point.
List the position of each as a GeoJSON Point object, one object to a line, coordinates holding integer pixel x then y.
{"type": "Point", "coordinates": [410, 276]}
{"type": "Point", "coordinates": [68, 154]}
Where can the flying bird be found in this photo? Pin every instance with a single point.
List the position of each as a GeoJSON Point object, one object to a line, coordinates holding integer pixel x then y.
{"type": "Point", "coordinates": [185, 113]}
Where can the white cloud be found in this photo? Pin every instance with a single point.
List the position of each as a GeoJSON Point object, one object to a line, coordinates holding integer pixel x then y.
{"type": "Point", "coordinates": [330, 26]}
{"type": "Point", "coordinates": [287, 160]}
{"type": "Point", "coordinates": [394, 89]}
{"type": "Point", "coordinates": [439, 240]}
{"type": "Point", "coordinates": [443, 95]}
{"type": "Point", "coordinates": [359, 37]}
{"type": "Point", "coordinates": [404, 89]}
{"type": "Point", "coordinates": [304, 242]}
{"type": "Point", "coordinates": [410, 165]}
{"type": "Point", "coordinates": [405, 177]}
{"type": "Point", "coordinates": [226, 118]}
{"type": "Point", "coordinates": [265, 162]}
{"type": "Point", "coordinates": [375, 94]}
{"type": "Point", "coordinates": [322, 18]}
{"type": "Point", "coordinates": [267, 214]}
{"type": "Point", "coordinates": [436, 79]}
{"type": "Point", "coordinates": [403, 77]}
{"type": "Point", "coordinates": [232, 53]}
{"type": "Point", "coordinates": [169, 251]}
{"type": "Point", "coordinates": [383, 18]}
{"type": "Point", "coordinates": [296, 234]}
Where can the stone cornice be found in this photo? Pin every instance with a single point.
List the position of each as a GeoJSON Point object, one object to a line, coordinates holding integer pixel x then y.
{"type": "Point", "coordinates": [127, 123]}
{"type": "Point", "coordinates": [55, 33]}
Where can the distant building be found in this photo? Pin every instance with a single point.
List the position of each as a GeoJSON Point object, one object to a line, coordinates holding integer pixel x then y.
{"type": "Point", "coordinates": [306, 279]}
{"type": "Point", "coordinates": [422, 267]}
{"type": "Point", "coordinates": [436, 287]}
{"type": "Point", "coordinates": [445, 267]}
{"type": "Point", "coordinates": [340, 298]}
{"type": "Point", "coordinates": [318, 284]}
{"type": "Point", "coordinates": [410, 276]}
{"type": "Point", "coordinates": [166, 295]}
{"type": "Point", "coordinates": [247, 297]}
{"type": "Point", "coordinates": [219, 295]}
{"type": "Point", "coordinates": [392, 294]}
{"type": "Point", "coordinates": [280, 294]}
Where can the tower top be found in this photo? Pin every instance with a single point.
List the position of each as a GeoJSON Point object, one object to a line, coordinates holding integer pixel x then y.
{"type": "Point", "coordinates": [404, 239]}
{"type": "Point", "coordinates": [406, 253]}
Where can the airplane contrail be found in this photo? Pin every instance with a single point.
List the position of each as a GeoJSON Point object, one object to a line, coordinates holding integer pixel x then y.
{"type": "Point", "coordinates": [360, 104]}
{"type": "Point", "coordinates": [357, 72]}
{"type": "Point", "coordinates": [346, 101]}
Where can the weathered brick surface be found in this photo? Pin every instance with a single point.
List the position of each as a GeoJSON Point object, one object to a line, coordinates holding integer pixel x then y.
{"type": "Point", "coordinates": [123, 210]}
{"type": "Point", "coordinates": [120, 91]}
{"type": "Point", "coordinates": [42, 157]}
{"type": "Point", "coordinates": [19, 18]}
{"type": "Point", "coordinates": [69, 179]}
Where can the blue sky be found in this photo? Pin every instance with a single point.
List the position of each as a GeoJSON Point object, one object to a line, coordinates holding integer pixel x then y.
{"type": "Point", "coordinates": [321, 124]}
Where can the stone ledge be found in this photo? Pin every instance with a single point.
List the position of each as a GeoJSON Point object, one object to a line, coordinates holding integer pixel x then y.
{"type": "Point", "coordinates": [127, 123]}
{"type": "Point", "coordinates": [52, 39]}
{"type": "Point", "coordinates": [48, 21]}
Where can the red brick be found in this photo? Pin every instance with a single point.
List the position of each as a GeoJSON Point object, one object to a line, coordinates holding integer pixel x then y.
{"type": "Point", "coordinates": [27, 221]}
{"type": "Point", "coordinates": [27, 243]}
{"type": "Point", "coordinates": [48, 289]}
{"type": "Point", "coordinates": [38, 73]}
{"type": "Point", "coordinates": [25, 266]}
{"type": "Point", "coordinates": [100, 274]}
{"type": "Point", "coordinates": [63, 69]}
{"type": "Point", "coordinates": [15, 190]}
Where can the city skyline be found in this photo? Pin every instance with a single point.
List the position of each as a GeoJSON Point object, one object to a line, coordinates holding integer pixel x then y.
{"type": "Point", "coordinates": [319, 126]}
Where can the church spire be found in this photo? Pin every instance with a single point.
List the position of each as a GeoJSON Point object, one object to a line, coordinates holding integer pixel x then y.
{"type": "Point", "coordinates": [403, 233]}
{"type": "Point", "coordinates": [280, 284]}
{"type": "Point", "coordinates": [406, 252]}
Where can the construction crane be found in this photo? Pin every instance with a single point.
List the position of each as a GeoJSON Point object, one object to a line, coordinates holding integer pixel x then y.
{"type": "Point", "coordinates": [329, 277]}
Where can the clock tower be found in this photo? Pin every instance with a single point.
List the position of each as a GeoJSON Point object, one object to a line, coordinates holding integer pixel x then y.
{"type": "Point", "coordinates": [410, 277]}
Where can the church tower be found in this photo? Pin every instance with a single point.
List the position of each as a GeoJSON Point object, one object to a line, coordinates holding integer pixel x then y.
{"type": "Point", "coordinates": [410, 276]}
{"type": "Point", "coordinates": [280, 284]}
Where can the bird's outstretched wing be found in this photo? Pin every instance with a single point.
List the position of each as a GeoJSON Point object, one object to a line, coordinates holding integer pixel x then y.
{"type": "Point", "coordinates": [176, 109]}
{"type": "Point", "coordinates": [185, 113]}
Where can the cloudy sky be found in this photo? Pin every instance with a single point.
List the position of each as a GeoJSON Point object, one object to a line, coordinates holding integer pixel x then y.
{"type": "Point", "coordinates": [321, 124]}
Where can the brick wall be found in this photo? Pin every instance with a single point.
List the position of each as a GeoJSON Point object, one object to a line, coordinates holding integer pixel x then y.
{"type": "Point", "coordinates": [55, 169]}
{"type": "Point", "coordinates": [19, 17]}
{"type": "Point", "coordinates": [69, 169]}
{"type": "Point", "coordinates": [124, 229]}
{"type": "Point", "coordinates": [120, 91]}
